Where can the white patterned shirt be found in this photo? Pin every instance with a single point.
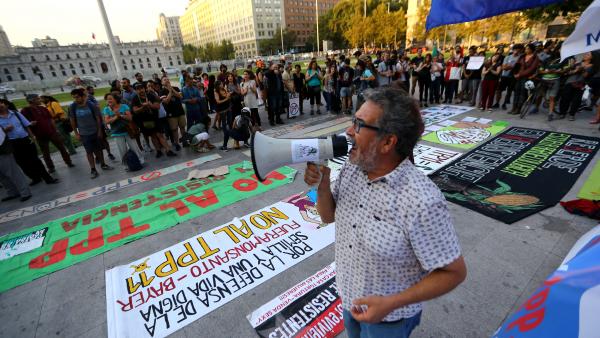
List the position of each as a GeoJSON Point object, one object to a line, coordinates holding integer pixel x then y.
{"type": "Point", "coordinates": [389, 233]}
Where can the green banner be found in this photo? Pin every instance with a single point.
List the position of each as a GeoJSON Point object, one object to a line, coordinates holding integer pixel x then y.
{"type": "Point", "coordinates": [75, 238]}
{"type": "Point", "coordinates": [591, 187]}
{"type": "Point", "coordinates": [466, 135]}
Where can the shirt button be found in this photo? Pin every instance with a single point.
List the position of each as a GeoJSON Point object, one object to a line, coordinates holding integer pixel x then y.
{"type": "Point", "coordinates": [369, 184]}
{"type": "Point", "coordinates": [350, 246]}
{"type": "Point", "coordinates": [360, 205]}
{"type": "Point", "coordinates": [354, 226]}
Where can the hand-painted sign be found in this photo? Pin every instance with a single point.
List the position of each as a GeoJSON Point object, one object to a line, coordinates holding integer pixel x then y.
{"type": "Point", "coordinates": [465, 135]}
{"type": "Point", "coordinates": [159, 294]}
{"type": "Point", "coordinates": [568, 302]}
{"type": "Point", "coordinates": [105, 189]}
{"type": "Point", "coordinates": [428, 159]}
{"type": "Point", "coordinates": [436, 114]}
{"type": "Point", "coordinates": [75, 238]}
{"type": "Point", "coordinates": [312, 308]}
{"type": "Point", "coordinates": [21, 244]}
{"type": "Point", "coordinates": [507, 177]}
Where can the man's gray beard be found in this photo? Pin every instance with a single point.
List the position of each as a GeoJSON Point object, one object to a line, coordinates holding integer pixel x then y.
{"type": "Point", "coordinates": [366, 161]}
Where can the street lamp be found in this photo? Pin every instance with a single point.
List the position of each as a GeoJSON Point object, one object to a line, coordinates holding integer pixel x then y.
{"type": "Point", "coordinates": [317, 15]}
{"type": "Point", "coordinates": [281, 28]}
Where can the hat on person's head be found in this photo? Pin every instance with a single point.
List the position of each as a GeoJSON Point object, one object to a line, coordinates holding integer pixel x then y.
{"type": "Point", "coordinates": [246, 111]}
{"type": "Point", "coordinates": [31, 97]}
{"type": "Point", "coordinates": [138, 85]}
{"type": "Point", "coordinates": [364, 57]}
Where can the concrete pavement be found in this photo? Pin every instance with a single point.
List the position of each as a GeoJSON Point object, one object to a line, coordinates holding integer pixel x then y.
{"type": "Point", "coordinates": [505, 262]}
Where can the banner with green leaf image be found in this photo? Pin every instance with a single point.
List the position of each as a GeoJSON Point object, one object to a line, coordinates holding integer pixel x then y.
{"type": "Point", "coordinates": [517, 173]}
{"type": "Point", "coordinates": [76, 238]}
{"type": "Point", "coordinates": [465, 134]}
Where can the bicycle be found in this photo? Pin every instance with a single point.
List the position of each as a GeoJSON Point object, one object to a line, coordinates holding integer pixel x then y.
{"type": "Point", "coordinates": [534, 93]}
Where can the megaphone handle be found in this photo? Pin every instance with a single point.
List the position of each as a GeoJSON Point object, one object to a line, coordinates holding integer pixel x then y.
{"type": "Point", "coordinates": [318, 164]}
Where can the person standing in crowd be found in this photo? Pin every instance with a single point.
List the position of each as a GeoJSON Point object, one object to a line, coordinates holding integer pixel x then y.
{"type": "Point", "coordinates": [424, 73]}
{"type": "Point", "coordinates": [11, 176]}
{"type": "Point", "coordinates": [171, 101]}
{"type": "Point", "coordinates": [86, 121]}
{"type": "Point", "coordinates": [385, 70]}
{"type": "Point", "coordinates": [235, 95]}
{"type": "Point", "coordinates": [63, 126]}
{"type": "Point", "coordinates": [288, 86]}
{"type": "Point", "coordinates": [402, 69]}
{"type": "Point", "coordinates": [300, 86]}
{"type": "Point", "coordinates": [223, 108]}
{"type": "Point", "coordinates": [118, 116]}
{"type": "Point", "coordinates": [274, 87]}
{"type": "Point", "coordinates": [384, 273]}
{"type": "Point", "coordinates": [465, 75]}
{"type": "Point", "coordinates": [115, 86]}
{"type": "Point", "coordinates": [507, 78]}
{"type": "Point", "coordinates": [44, 129]}
{"type": "Point", "coordinates": [577, 75]}
{"type": "Point", "coordinates": [473, 79]}
{"type": "Point", "coordinates": [441, 61]}
{"type": "Point", "coordinates": [191, 99]}
{"type": "Point", "coordinates": [127, 95]}
{"type": "Point", "coordinates": [18, 130]}
{"type": "Point", "coordinates": [490, 72]}
{"type": "Point", "coordinates": [222, 76]}
{"type": "Point", "coordinates": [92, 99]}
{"type": "Point", "coordinates": [414, 76]}
{"type": "Point", "coordinates": [249, 92]}
{"type": "Point", "coordinates": [437, 69]}
{"type": "Point", "coordinates": [139, 79]}
{"type": "Point", "coordinates": [313, 82]}
{"type": "Point", "coordinates": [330, 84]}
{"type": "Point", "coordinates": [184, 75]}
{"type": "Point", "coordinates": [363, 77]}
{"type": "Point", "coordinates": [146, 106]}
{"type": "Point", "coordinates": [452, 77]}
{"type": "Point", "coordinates": [346, 76]}
{"type": "Point", "coordinates": [527, 65]}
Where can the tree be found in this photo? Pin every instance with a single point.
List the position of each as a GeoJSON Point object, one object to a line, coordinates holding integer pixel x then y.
{"type": "Point", "coordinates": [274, 44]}
{"type": "Point", "coordinates": [225, 50]}
{"type": "Point", "coordinates": [569, 10]}
{"type": "Point", "coordinates": [190, 53]}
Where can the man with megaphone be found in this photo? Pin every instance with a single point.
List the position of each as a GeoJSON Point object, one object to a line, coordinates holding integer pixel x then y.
{"type": "Point", "coordinates": [395, 243]}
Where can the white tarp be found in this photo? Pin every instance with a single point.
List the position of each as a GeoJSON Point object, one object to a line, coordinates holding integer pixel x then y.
{"type": "Point", "coordinates": [586, 36]}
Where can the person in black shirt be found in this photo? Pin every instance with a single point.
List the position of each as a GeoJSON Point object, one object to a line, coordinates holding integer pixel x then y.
{"type": "Point", "coordinates": [146, 105]}
{"type": "Point", "coordinates": [414, 63]}
{"type": "Point", "coordinates": [171, 101]}
{"type": "Point", "coordinates": [274, 94]}
{"type": "Point", "coordinates": [299, 85]}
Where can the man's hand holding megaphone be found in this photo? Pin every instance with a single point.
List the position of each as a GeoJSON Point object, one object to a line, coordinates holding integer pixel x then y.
{"type": "Point", "coordinates": [317, 175]}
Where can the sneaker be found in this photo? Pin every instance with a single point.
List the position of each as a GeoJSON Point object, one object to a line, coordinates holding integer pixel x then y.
{"type": "Point", "coordinates": [279, 122]}
{"type": "Point", "coordinates": [70, 165]}
{"type": "Point", "coordinates": [224, 148]}
{"type": "Point", "coordinates": [93, 174]}
{"type": "Point", "coordinates": [481, 108]}
{"type": "Point", "coordinates": [177, 147]}
{"type": "Point", "coordinates": [550, 117]}
{"type": "Point", "coordinates": [504, 107]}
{"type": "Point", "coordinates": [571, 118]}
{"type": "Point", "coordinates": [171, 154]}
{"type": "Point", "coordinates": [318, 111]}
{"type": "Point", "coordinates": [489, 110]}
{"type": "Point", "coordinates": [25, 198]}
{"type": "Point", "coordinates": [111, 157]}
{"type": "Point", "coordinates": [159, 154]}
{"type": "Point", "coordinates": [106, 167]}
{"type": "Point", "coordinates": [496, 105]}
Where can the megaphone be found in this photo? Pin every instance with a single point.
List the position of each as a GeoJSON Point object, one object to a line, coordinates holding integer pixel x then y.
{"type": "Point", "coordinates": [270, 153]}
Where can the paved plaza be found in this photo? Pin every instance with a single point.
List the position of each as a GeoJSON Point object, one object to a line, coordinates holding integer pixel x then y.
{"type": "Point", "coordinates": [505, 263]}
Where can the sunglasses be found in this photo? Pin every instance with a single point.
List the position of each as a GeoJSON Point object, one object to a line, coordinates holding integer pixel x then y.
{"type": "Point", "coordinates": [358, 124]}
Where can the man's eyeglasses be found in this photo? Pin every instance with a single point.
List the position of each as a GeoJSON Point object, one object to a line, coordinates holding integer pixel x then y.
{"type": "Point", "coordinates": [360, 123]}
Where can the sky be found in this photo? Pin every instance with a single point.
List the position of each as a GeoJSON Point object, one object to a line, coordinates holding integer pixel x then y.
{"type": "Point", "coordinates": [74, 21]}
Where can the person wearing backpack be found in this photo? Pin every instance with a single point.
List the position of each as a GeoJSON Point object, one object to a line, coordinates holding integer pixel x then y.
{"type": "Point", "coordinates": [86, 121]}
{"type": "Point", "coordinates": [118, 116]}
{"type": "Point", "coordinates": [385, 70]}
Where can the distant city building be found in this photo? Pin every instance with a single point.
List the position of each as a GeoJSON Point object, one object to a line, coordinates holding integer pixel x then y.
{"type": "Point", "coordinates": [5, 46]}
{"type": "Point", "coordinates": [51, 66]}
{"type": "Point", "coordinates": [168, 30]}
{"type": "Point", "coordinates": [300, 18]}
{"type": "Point", "coordinates": [243, 22]}
{"type": "Point", "coordinates": [45, 42]}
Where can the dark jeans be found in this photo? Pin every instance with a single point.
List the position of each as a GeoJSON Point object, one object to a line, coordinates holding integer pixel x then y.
{"type": "Point", "coordinates": [226, 121]}
{"type": "Point", "coordinates": [424, 84]}
{"type": "Point", "coordinates": [434, 92]}
{"type": "Point", "coordinates": [314, 94]}
{"type": "Point", "coordinates": [26, 155]}
{"type": "Point", "coordinates": [274, 109]}
{"type": "Point", "coordinates": [451, 90]}
{"type": "Point", "coordinates": [397, 329]}
{"type": "Point", "coordinates": [570, 99]}
{"type": "Point", "coordinates": [56, 139]}
{"type": "Point", "coordinates": [520, 93]}
{"type": "Point", "coordinates": [193, 117]}
{"type": "Point", "coordinates": [328, 96]}
{"type": "Point", "coordinates": [254, 116]}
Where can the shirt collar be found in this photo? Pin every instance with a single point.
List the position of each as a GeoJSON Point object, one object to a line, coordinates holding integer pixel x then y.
{"type": "Point", "coordinates": [392, 178]}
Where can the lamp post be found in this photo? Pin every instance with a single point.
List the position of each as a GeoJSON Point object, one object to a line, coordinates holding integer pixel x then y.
{"type": "Point", "coordinates": [281, 28]}
{"type": "Point", "coordinates": [317, 18]}
{"type": "Point", "coordinates": [111, 39]}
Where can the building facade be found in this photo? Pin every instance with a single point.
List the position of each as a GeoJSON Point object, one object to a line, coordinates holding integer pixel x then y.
{"type": "Point", "coordinates": [168, 31]}
{"type": "Point", "coordinates": [300, 18]}
{"type": "Point", "coordinates": [45, 67]}
{"type": "Point", "coordinates": [5, 46]}
{"type": "Point", "coordinates": [45, 42]}
{"type": "Point", "coordinates": [243, 22]}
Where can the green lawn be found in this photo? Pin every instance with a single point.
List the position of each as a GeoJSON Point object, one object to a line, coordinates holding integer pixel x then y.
{"type": "Point", "coordinates": [62, 97]}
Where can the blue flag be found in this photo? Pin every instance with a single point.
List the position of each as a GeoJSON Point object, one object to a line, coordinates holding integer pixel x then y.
{"type": "Point", "coordinates": [447, 12]}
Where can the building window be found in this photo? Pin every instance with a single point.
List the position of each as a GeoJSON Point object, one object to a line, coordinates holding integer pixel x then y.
{"type": "Point", "coordinates": [149, 65]}
{"type": "Point", "coordinates": [68, 56]}
{"type": "Point", "coordinates": [51, 67]}
{"type": "Point", "coordinates": [158, 59]}
{"type": "Point", "coordinates": [124, 62]}
{"type": "Point", "coordinates": [178, 57]}
{"type": "Point", "coordinates": [92, 70]}
{"type": "Point", "coordinates": [131, 61]}
{"type": "Point", "coordinates": [90, 64]}
{"type": "Point", "coordinates": [141, 66]}
{"type": "Point", "coordinates": [61, 66]}
{"type": "Point", "coordinates": [53, 74]}
{"type": "Point", "coordinates": [47, 57]}
{"type": "Point", "coordinates": [159, 65]}
{"type": "Point", "coordinates": [73, 72]}
{"type": "Point", "coordinates": [155, 50]}
{"type": "Point", "coordinates": [64, 73]}
{"type": "Point", "coordinates": [137, 51]}
{"type": "Point", "coordinates": [132, 66]}
{"type": "Point", "coordinates": [171, 63]}
{"type": "Point", "coordinates": [9, 78]}
{"type": "Point", "coordinates": [140, 60]}
{"type": "Point", "coordinates": [77, 55]}
{"type": "Point", "coordinates": [104, 67]}
{"type": "Point", "coordinates": [19, 70]}
{"type": "Point", "coordinates": [121, 52]}
{"type": "Point", "coordinates": [124, 67]}
{"type": "Point", "coordinates": [129, 52]}
{"type": "Point", "coordinates": [179, 63]}
{"type": "Point", "coordinates": [81, 65]}
{"type": "Point", "coordinates": [83, 71]}
{"type": "Point", "coordinates": [145, 51]}
{"type": "Point", "coordinates": [71, 66]}
{"type": "Point", "coordinates": [6, 71]}
{"type": "Point", "coordinates": [57, 57]}
{"type": "Point", "coordinates": [32, 58]}
{"type": "Point", "coordinates": [147, 59]}
{"type": "Point", "coordinates": [87, 55]}
{"type": "Point", "coordinates": [22, 76]}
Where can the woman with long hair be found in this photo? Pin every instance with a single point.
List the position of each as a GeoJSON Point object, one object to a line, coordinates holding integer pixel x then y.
{"type": "Point", "coordinates": [210, 94]}
{"type": "Point", "coordinates": [118, 116]}
{"type": "Point", "coordinates": [313, 80]}
{"type": "Point", "coordinates": [249, 91]}
{"type": "Point", "coordinates": [223, 108]}
{"type": "Point", "coordinates": [330, 89]}
{"type": "Point", "coordinates": [424, 79]}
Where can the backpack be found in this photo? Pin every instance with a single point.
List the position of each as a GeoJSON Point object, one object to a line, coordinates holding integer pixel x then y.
{"type": "Point", "coordinates": [132, 161]}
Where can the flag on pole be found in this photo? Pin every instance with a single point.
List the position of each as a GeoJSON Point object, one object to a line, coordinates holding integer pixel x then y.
{"type": "Point", "coordinates": [586, 36]}
{"type": "Point", "coordinates": [93, 36]}
{"type": "Point", "coordinates": [447, 12]}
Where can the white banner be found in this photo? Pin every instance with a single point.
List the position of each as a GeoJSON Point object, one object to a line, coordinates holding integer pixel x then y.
{"type": "Point", "coordinates": [294, 108]}
{"type": "Point", "coordinates": [159, 294]}
{"type": "Point", "coordinates": [586, 36]}
{"type": "Point", "coordinates": [436, 114]}
{"type": "Point", "coordinates": [428, 159]}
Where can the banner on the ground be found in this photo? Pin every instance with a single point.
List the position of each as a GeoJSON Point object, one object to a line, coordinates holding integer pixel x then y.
{"type": "Point", "coordinates": [436, 114]}
{"type": "Point", "coordinates": [591, 187]}
{"type": "Point", "coordinates": [105, 189]}
{"type": "Point", "coordinates": [465, 134]}
{"type": "Point", "coordinates": [429, 159]}
{"type": "Point", "coordinates": [518, 173]}
{"type": "Point", "coordinates": [21, 244]}
{"type": "Point", "coordinates": [159, 294]}
{"type": "Point", "coordinates": [312, 308]}
{"type": "Point", "coordinates": [75, 238]}
{"type": "Point", "coordinates": [567, 303]}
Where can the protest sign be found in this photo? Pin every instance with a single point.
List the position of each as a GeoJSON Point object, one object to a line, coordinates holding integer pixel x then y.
{"type": "Point", "coordinates": [312, 308]}
{"type": "Point", "coordinates": [75, 238]}
{"type": "Point", "coordinates": [436, 114]}
{"type": "Point", "coordinates": [21, 244]}
{"type": "Point", "coordinates": [105, 189]}
{"type": "Point", "coordinates": [428, 159]}
{"type": "Point", "coordinates": [507, 178]}
{"type": "Point", "coordinates": [159, 294]}
{"type": "Point", "coordinates": [465, 135]}
{"type": "Point", "coordinates": [475, 62]}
